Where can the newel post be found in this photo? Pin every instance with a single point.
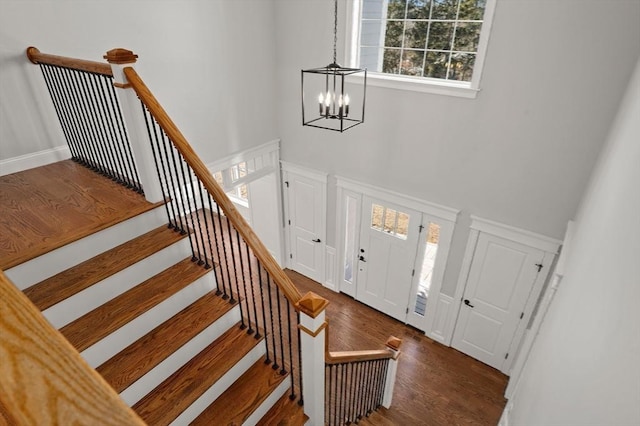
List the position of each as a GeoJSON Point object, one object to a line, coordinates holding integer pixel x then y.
{"type": "Point", "coordinates": [393, 344]}
{"type": "Point", "coordinates": [135, 122]}
{"type": "Point", "coordinates": [312, 343]}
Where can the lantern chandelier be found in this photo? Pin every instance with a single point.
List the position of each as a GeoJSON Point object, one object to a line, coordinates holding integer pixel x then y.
{"type": "Point", "coordinates": [333, 96]}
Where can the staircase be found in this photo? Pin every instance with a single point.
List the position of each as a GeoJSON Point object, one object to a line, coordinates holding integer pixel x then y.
{"type": "Point", "coordinates": [122, 288]}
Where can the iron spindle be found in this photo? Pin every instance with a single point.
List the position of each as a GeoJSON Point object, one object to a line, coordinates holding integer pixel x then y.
{"type": "Point", "coordinates": [282, 371]}
{"type": "Point", "coordinates": [275, 365]}
{"type": "Point", "coordinates": [179, 201]}
{"type": "Point", "coordinates": [292, 370]}
{"type": "Point", "coordinates": [244, 284]}
{"type": "Point", "coordinates": [264, 315]}
{"type": "Point", "coordinates": [250, 257]}
{"type": "Point", "coordinates": [217, 269]}
{"type": "Point", "coordinates": [301, 400]}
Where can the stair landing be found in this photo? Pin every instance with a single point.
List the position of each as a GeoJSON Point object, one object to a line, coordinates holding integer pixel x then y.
{"type": "Point", "coordinates": [47, 207]}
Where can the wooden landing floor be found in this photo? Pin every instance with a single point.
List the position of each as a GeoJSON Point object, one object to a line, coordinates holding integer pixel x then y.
{"type": "Point", "coordinates": [47, 207]}
{"type": "Point", "coordinates": [435, 385]}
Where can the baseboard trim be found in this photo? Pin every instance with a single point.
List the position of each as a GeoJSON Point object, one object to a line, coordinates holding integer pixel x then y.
{"type": "Point", "coordinates": [34, 159]}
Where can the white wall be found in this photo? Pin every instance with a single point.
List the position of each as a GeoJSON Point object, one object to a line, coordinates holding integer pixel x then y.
{"type": "Point", "coordinates": [583, 368]}
{"type": "Point", "coordinates": [520, 153]}
{"type": "Point", "coordinates": [210, 63]}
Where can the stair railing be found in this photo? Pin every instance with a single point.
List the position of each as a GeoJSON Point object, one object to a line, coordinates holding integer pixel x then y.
{"type": "Point", "coordinates": [44, 380]}
{"type": "Point", "coordinates": [293, 326]}
{"type": "Point", "coordinates": [87, 107]}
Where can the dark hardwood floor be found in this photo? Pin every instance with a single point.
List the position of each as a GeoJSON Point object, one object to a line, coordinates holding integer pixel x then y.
{"type": "Point", "coordinates": [436, 385]}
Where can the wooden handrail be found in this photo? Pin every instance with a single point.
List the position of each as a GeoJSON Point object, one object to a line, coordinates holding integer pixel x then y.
{"type": "Point", "coordinates": [44, 379]}
{"type": "Point", "coordinates": [37, 57]}
{"type": "Point", "coordinates": [340, 357]}
{"type": "Point", "coordinates": [239, 223]}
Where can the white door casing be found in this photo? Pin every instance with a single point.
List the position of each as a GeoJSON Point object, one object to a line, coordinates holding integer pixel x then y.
{"type": "Point", "coordinates": [386, 261]}
{"type": "Point", "coordinates": [305, 203]}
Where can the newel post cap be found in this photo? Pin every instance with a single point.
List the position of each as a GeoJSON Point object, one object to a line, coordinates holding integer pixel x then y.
{"type": "Point", "coordinates": [394, 343]}
{"type": "Point", "coordinates": [312, 304]}
{"type": "Point", "coordinates": [120, 56]}
{"type": "Point", "coordinates": [31, 53]}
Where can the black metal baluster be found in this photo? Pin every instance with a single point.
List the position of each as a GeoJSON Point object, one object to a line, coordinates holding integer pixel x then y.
{"type": "Point", "coordinates": [370, 391]}
{"type": "Point", "coordinates": [334, 393]}
{"type": "Point", "coordinates": [275, 365]}
{"type": "Point", "coordinates": [301, 400]}
{"type": "Point", "coordinates": [176, 185]}
{"type": "Point", "coordinates": [186, 199]}
{"type": "Point", "coordinates": [292, 370]}
{"type": "Point", "coordinates": [244, 286]}
{"type": "Point", "coordinates": [165, 185]}
{"type": "Point", "coordinates": [218, 268]}
{"type": "Point", "coordinates": [352, 390]}
{"type": "Point", "coordinates": [252, 287]}
{"type": "Point", "coordinates": [224, 254]}
{"type": "Point", "coordinates": [283, 371]}
{"type": "Point", "coordinates": [343, 391]}
{"type": "Point", "coordinates": [327, 391]}
{"type": "Point", "coordinates": [124, 137]}
{"type": "Point", "coordinates": [197, 231]}
{"type": "Point", "coordinates": [264, 315]}
{"type": "Point", "coordinates": [235, 268]}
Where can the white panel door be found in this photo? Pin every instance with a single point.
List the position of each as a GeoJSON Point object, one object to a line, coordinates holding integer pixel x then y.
{"type": "Point", "coordinates": [501, 277]}
{"type": "Point", "coordinates": [388, 244]}
{"type": "Point", "coordinates": [305, 213]}
{"type": "Point", "coordinates": [265, 218]}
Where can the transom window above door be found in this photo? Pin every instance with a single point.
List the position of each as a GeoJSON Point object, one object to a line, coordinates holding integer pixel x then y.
{"type": "Point", "coordinates": [389, 221]}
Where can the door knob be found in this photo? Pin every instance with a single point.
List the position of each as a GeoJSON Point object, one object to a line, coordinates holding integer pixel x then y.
{"type": "Point", "coordinates": [466, 302]}
{"type": "Point", "coordinates": [317, 240]}
{"type": "Point", "coordinates": [362, 259]}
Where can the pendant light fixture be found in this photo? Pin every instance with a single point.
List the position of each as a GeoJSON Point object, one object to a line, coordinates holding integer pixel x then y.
{"type": "Point", "coordinates": [333, 96]}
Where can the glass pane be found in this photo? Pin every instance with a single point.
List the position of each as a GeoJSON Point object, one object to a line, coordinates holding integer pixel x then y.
{"type": "Point", "coordinates": [349, 238]}
{"type": "Point", "coordinates": [396, 9]}
{"type": "Point", "coordinates": [218, 177]}
{"type": "Point", "coordinates": [390, 221]}
{"type": "Point", "coordinates": [462, 66]}
{"type": "Point", "coordinates": [467, 36]}
{"type": "Point", "coordinates": [471, 10]}
{"type": "Point", "coordinates": [393, 35]}
{"type": "Point", "coordinates": [372, 9]}
{"type": "Point", "coordinates": [440, 35]}
{"type": "Point", "coordinates": [412, 62]}
{"type": "Point", "coordinates": [370, 58]}
{"type": "Point", "coordinates": [418, 9]}
{"type": "Point", "coordinates": [426, 272]}
{"type": "Point", "coordinates": [391, 61]}
{"type": "Point", "coordinates": [415, 34]}
{"type": "Point", "coordinates": [242, 169]}
{"type": "Point", "coordinates": [376, 217]}
{"type": "Point", "coordinates": [402, 229]}
{"type": "Point", "coordinates": [436, 65]}
{"type": "Point", "coordinates": [444, 9]}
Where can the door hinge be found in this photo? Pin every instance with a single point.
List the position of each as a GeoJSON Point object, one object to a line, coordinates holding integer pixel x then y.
{"type": "Point", "coordinates": [506, 356]}
{"type": "Point", "coordinates": [413, 273]}
{"type": "Point", "coordinates": [289, 222]}
{"type": "Point", "coordinates": [290, 255]}
{"type": "Point", "coordinates": [406, 311]}
{"type": "Point", "coordinates": [540, 266]}
{"type": "Point", "coordinates": [522, 315]}
{"type": "Point", "coordinates": [286, 182]}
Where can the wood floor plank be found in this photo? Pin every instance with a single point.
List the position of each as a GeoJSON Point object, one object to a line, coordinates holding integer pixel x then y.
{"type": "Point", "coordinates": [44, 208]}
{"type": "Point", "coordinates": [176, 393]}
{"type": "Point", "coordinates": [285, 412]}
{"type": "Point", "coordinates": [243, 397]}
{"type": "Point", "coordinates": [141, 356]}
{"type": "Point", "coordinates": [67, 283]}
{"type": "Point", "coordinates": [102, 321]}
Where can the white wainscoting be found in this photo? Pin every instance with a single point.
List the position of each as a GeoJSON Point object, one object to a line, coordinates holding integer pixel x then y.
{"type": "Point", "coordinates": [441, 317]}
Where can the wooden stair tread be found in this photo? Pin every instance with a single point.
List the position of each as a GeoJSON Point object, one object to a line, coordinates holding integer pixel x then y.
{"type": "Point", "coordinates": [47, 207]}
{"type": "Point", "coordinates": [285, 412]}
{"type": "Point", "coordinates": [182, 388]}
{"type": "Point", "coordinates": [141, 356]}
{"type": "Point", "coordinates": [67, 283]}
{"type": "Point", "coordinates": [243, 397]}
{"type": "Point", "coordinates": [102, 321]}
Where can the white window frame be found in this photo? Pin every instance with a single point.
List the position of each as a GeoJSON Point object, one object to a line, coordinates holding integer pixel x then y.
{"type": "Point", "coordinates": [419, 84]}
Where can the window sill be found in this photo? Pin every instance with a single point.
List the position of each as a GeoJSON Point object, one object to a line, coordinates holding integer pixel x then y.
{"type": "Point", "coordinates": [451, 88]}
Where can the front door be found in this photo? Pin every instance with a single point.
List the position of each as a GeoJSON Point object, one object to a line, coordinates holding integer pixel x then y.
{"type": "Point", "coordinates": [388, 244]}
{"type": "Point", "coordinates": [501, 277]}
{"type": "Point", "coordinates": [305, 219]}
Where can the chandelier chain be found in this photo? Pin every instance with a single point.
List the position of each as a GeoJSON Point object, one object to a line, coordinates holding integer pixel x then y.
{"type": "Point", "coordinates": [335, 29]}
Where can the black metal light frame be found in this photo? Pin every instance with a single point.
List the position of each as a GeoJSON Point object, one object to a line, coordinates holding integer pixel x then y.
{"type": "Point", "coordinates": [334, 83]}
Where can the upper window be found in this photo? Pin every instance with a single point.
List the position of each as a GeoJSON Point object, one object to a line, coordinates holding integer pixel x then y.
{"type": "Point", "coordinates": [437, 42]}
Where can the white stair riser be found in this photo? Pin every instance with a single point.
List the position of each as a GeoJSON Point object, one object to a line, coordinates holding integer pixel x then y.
{"type": "Point", "coordinates": [143, 324]}
{"type": "Point", "coordinates": [167, 367]}
{"type": "Point", "coordinates": [211, 394]}
{"type": "Point", "coordinates": [266, 405]}
{"type": "Point", "coordinates": [49, 264]}
{"type": "Point", "coordinates": [105, 290]}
